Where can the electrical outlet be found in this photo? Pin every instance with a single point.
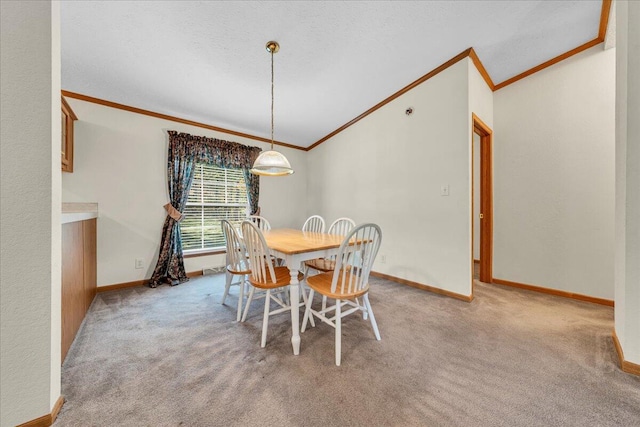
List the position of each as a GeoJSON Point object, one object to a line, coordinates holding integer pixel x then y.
{"type": "Point", "coordinates": [383, 259]}
{"type": "Point", "coordinates": [139, 263]}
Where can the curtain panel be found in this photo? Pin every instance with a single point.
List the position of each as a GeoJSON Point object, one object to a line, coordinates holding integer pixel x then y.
{"type": "Point", "coordinates": [185, 151]}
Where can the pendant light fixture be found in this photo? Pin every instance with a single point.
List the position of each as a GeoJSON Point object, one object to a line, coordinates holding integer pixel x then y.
{"type": "Point", "coordinates": [272, 163]}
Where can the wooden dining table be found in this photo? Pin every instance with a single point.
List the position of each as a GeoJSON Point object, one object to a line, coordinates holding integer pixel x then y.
{"type": "Point", "coordinates": [295, 247]}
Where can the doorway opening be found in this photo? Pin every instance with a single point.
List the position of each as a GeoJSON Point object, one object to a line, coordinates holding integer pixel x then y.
{"type": "Point", "coordinates": [482, 200]}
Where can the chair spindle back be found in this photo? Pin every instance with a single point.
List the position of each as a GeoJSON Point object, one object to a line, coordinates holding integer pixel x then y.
{"type": "Point", "coordinates": [314, 224]}
{"type": "Point", "coordinates": [258, 253]}
{"type": "Point", "coordinates": [236, 252]}
{"type": "Point", "coordinates": [341, 226]}
{"type": "Point", "coordinates": [355, 258]}
{"type": "Point", "coordinates": [260, 221]}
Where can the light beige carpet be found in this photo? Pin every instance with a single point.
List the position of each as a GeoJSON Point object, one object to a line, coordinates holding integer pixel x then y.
{"type": "Point", "coordinates": [173, 356]}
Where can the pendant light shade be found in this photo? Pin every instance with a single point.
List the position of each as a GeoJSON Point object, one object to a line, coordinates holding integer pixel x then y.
{"type": "Point", "coordinates": [272, 163]}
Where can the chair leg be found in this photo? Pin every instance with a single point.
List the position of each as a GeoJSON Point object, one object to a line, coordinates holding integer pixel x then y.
{"type": "Point", "coordinates": [305, 299]}
{"type": "Point", "coordinates": [338, 333]}
{"type": "Point", "coordinates": [372, 317]}
{"type": "Point", "coordinates": [241, 298]}
{"type": "Point", "coordinates": [364, 312]}
{"type": "Point", "coordinates": [247, 304]}
{"type": "Point", "coordinates": [307, 311]}
{"type": "Point", "coordinates": [324, 302]}
{"type": "Point", "coordinates": [265, 319]}
{"type": "Point", "coordinates": [226, 287]}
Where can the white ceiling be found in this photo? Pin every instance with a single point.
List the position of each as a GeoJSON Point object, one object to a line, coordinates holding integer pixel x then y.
{"type": "Point", "coordinates": [205, 61]}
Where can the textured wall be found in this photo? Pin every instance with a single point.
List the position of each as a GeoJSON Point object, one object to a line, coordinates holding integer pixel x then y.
{"type": "Point", "coordinates": [120, 163]}
{"type": "Point", "coordinates": [481, 104]}
{"type": "Point", "coordinates": [554, 176]}
{"type": "Point", "coordinates": [56, 203]}
{"type": "Point", "coordinates": [388, 168]}
{"type": "Point", "coordinates": [627, 265]}
{"type": "Point", "coordinates": [30, 185]}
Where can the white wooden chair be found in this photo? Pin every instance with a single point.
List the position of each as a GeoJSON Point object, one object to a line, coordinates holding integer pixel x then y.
{"type": "Point", "coordinates": [264, 275]}
{"type": "Point", "coordinates": [314, 223]}
{"type": "Point", "coordinates": [263, 224]}
{"type": "Point", "coordinates": [348, 281]}
{"type": "Point", "coordinates": [339, 227]}
{"type": "Point", "coordinates": [237, 264]}
{"type": "Point", "coordinates": [260, 221]}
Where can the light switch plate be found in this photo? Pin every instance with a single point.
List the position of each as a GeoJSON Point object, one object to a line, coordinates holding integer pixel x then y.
{"type": "Point", "coordinates": [444, 190]}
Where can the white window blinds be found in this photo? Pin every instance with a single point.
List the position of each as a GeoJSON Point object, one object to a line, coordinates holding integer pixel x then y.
{"type": "Point", "coordinates": [216, 194]}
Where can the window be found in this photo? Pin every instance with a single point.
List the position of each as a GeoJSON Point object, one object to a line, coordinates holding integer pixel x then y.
{"type": "Point", "coordinates": [216, 194]}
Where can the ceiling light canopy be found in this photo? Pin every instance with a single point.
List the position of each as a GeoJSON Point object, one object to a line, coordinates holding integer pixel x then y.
{"type": "Point", "coordinates": [272, 163]}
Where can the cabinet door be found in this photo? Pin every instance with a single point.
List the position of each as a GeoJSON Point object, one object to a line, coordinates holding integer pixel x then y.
{"type": "Point", "coordinates": [63, 146]}
{"type": "Point", "coordinates": [66, 149]}
{"type": "Point", "coordinates": [90, 261]}
{"type": "Point", "coordinates": [73, 295]}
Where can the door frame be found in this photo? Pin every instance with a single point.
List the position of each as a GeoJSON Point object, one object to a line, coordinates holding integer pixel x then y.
{"type": "Point", "coordinates": [486, 198]}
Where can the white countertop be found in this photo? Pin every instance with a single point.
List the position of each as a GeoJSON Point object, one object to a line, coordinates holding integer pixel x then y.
{"type": "Point", "coordinates": [72, 212]}
{"type": "Point", "coordinates": [78, 216]}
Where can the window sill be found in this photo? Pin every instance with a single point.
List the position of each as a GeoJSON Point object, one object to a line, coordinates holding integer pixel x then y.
{"type": "Point", "coordinates": [205, 252]}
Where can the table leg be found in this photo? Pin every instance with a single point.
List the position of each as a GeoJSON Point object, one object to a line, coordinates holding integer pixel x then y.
{"type": "Point", "coordinates": [294, 300]}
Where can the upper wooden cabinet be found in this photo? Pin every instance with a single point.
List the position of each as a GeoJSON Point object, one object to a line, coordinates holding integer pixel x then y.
{"type": "Point", "coordinates": [68, 117]}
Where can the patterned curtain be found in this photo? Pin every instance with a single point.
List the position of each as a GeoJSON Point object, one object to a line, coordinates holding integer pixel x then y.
{"type": "Point", "coordinates": [253, 189]}
{"type": "Point", "coordinates": [184, 151]}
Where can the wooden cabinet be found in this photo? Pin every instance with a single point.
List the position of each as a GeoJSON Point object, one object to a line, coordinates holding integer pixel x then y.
{"type": "Point", "coordinates": [66, 148]}
{"type": "Point", "coordinates": [79, 278]}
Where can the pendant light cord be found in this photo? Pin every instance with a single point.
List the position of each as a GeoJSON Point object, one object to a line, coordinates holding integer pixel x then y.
{"type": "Point", "coordinates": [271, 100]}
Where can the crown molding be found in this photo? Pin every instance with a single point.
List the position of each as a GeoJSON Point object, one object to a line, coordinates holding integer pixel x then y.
{"type": "Point", "coordinates": [602, 31]}
{"type": "Point", "coordinates": [483, 72]}
{"type": "Point", "coordinates": [604, 18]}
{"type": "Point", "coordinates": [136, 110]}
{"type": "Point", "coordinates": [387, 100]}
